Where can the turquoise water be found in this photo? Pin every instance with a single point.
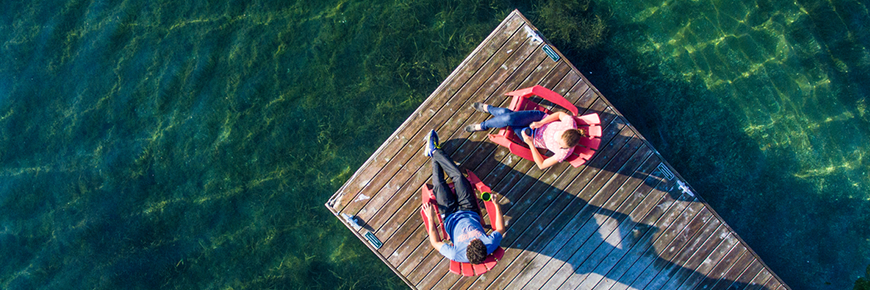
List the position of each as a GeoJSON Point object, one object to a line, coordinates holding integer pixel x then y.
{"type": "Point", "coordinates": [192, 145]}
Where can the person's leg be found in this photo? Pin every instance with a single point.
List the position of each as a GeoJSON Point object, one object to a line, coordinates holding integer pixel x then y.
{"type": "Point", "coordinates": [513, 119]}
{"type": "Point", "coordinates": [464, 193]}
{"type": "Point", "coordinates": [445, 198]}
{"type": "Point", "coordinates": [497, 111]}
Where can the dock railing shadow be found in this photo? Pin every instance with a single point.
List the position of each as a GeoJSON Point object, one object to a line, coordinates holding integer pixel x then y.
{"type": "Point", "coordinates": [594, 226]}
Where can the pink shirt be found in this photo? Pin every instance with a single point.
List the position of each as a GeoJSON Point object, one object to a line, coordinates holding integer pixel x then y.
{"type": "Point", "coordinates": [548, 135]}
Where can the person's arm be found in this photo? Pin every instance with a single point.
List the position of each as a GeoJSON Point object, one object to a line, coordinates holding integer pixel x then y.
{"type": "Point", "coordinates": [499, 216]}
{"type": "Point", "coordinates": [539, 160]}
{"type": "Point", "coordinates": [550, 118]}
{"type": "Point", "coordinates": [433, 235]}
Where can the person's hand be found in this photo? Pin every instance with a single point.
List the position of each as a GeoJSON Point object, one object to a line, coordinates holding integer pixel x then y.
{"type": "Point", "coordinates": [526, 137]}
{"type": "Point", "coordinates": [535, 125]}
{"type": "Point", "coordinates": [430, 212]}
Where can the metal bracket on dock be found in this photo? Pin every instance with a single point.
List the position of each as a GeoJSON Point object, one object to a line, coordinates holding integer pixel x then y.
{"type": "Point", "coordinates": [665, 171]}
{"type": "Point", "coordinates": [550, 52]}
{"type": "Point", "coordinates": [374, 240]}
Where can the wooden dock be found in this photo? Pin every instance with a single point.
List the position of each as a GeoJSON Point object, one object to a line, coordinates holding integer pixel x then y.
{"type": "Point", "coordinates": [625, 220]}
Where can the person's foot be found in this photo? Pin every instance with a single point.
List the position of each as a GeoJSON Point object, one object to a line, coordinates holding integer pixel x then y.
{"type": "Point", "coordinates": [481, 107]}
{"type": "Point", "coordinates": [473, 128]}
{"type": "Point", "coordinates": [431, 144]}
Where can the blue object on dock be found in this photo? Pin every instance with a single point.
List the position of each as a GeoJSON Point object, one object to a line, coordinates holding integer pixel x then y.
{"type": "Point", "coordinates": [374, 240]}
{"type": "Point", "coordinates": [352, 221]}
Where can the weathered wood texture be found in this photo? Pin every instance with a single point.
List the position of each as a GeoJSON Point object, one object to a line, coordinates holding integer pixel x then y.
{"type": "Point", "coordinates": [625, 220]}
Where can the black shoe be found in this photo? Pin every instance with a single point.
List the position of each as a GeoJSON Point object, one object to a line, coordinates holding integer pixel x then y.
{"type": "Point", "coordinates": [431, 144]}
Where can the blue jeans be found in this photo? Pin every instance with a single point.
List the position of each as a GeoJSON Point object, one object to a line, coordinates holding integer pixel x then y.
{"type": "Point", "coordinates": [518, 121]}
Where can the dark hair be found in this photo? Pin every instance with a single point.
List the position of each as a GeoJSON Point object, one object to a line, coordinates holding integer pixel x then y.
{"type": "Point", "coordinates": [572, 136]}
{"type": "Point", "coordinates": [476, 251]}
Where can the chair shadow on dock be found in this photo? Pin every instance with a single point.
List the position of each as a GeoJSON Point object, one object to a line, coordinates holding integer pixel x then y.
{"type": "Point", "coordinates": [610, 224]}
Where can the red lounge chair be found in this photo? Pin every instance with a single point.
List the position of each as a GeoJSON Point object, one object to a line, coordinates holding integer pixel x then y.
{"type": "Point", "coordinates": [460, 268]}
{"type": "Point", "coordinates": [520, 102]}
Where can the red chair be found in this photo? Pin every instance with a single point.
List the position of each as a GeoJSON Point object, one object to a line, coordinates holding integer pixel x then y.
{"type": "Point", "coordinates": [461, 268]}
{"type": "Point", "coordinates": [521, 102]}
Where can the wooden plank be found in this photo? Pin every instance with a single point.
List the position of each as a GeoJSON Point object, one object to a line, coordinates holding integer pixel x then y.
{"type": "Point", "coordinates": [459, 76]}
{"type": "Point", "coordinates": [679, 262]}
{"type": "Point", "coordinates": [362, 177]}
{"type": "Point", "coordinates": [759, 281]}
{"type": "Point", "coordinates": [706, 251]}
{"type": "Point", "coordinates": [666, 253]}
{"type": "Point", "coordinates": [644, 253]}
{"type": "Point", "coordinates": [718, 254]}
{"type": "Point", "coordinates": [747, 275]}
{"type": "Point", "coordinates": [772, 283]}
{"type": "Point", "coordinates": [727, 278]}
{"type": "Point", "coordinates": [730, 260]}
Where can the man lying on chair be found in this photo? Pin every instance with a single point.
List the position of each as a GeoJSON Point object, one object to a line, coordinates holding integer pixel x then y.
{"type": "Point", "coordinates": [460, 211]}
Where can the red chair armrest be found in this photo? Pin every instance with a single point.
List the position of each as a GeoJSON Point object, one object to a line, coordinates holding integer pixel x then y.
{"type": "Point", "coordinates": [555, 98]}
{"type": "Point", "coordinates": [588, 119]}
{"type": "Point", "coordinates": [427, 196]}
{"type": "Point", "coordinates": [482, 187]}
{"type": "Point", "coordinates": [544, 93]}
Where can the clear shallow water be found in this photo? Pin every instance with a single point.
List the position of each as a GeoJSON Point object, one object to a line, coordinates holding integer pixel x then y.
{"type": "Point", "coordinates": [188, 145]}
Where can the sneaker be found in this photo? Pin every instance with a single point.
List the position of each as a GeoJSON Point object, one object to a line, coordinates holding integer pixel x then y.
{"type": "Point", "coordinates": [480, 107]}
{"type": "Point", "coordinates": [473, 128]}
{"type": "Point", "coordinates": [431, 144]}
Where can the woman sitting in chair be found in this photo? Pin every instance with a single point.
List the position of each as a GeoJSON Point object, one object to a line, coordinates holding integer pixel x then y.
{"type": "Point", "coordinates": [556, 132]}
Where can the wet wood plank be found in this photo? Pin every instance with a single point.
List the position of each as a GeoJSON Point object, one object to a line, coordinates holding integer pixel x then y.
{"type": "Point", "coordinates": [625, 220]}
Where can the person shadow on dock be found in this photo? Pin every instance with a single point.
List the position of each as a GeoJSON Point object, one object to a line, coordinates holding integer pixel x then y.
{"type": "Point", "coordinates": [600, 238]}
